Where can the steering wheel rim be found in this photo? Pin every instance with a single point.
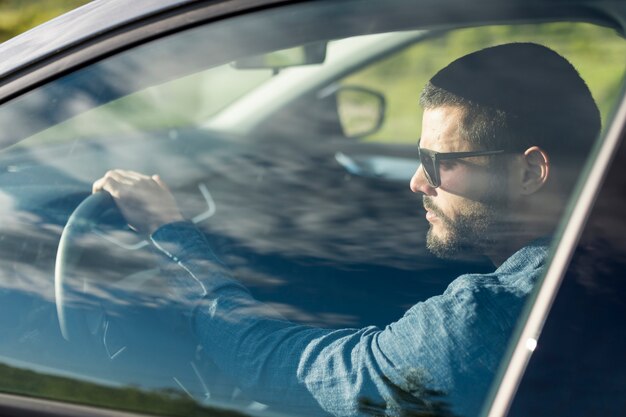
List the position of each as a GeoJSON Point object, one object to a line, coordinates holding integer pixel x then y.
{"type": "Point", "coordinates": [67, 284]}
{"type": "Point", "coordinates": [72, 317]}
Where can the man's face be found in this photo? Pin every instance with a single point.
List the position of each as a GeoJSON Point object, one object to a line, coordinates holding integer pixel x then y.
{"type": "Point", "coordinates": [466, 211]}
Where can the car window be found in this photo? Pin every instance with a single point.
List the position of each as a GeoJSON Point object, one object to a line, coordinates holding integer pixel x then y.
{"type": "Point", "coordinates": [271, 239]}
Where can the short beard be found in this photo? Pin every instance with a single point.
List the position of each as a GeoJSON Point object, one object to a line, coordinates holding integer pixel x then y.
{"type": "Point", "coordinates": [472, 233]}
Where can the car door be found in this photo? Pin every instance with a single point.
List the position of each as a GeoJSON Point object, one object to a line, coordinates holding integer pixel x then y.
{"type": "Point", "coordinates": [316, 222]}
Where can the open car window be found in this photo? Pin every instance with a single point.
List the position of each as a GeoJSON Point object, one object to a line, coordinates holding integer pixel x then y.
{"type": "Point", "coordinates": [318, 292]}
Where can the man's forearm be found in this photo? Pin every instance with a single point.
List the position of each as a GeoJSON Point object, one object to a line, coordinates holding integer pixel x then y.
{"type": "Point", "coordinates": [296, 367]}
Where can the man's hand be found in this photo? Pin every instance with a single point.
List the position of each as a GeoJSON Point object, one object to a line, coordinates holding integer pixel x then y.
{"type": "Point", "coordinates": [145, 201]}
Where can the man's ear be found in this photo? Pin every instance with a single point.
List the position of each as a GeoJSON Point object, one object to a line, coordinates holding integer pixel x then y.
{"type": "Point", "coordinates": [536, 170]}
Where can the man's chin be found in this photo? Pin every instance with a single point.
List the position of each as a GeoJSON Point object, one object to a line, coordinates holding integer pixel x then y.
{"type": "Point", "coordinates": [438, 246]}
{"type": "Point", "coordinates": [446, 246]}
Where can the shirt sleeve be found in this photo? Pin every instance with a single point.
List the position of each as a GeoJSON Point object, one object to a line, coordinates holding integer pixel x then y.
{"type": "Point", "coordinates": [439, 357]}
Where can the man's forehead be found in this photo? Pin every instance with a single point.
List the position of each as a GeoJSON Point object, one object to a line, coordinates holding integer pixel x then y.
{"type": "Point", "coordinates": [442, 129]}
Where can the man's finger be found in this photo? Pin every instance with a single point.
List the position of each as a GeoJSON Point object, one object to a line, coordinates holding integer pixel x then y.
{"type": "Point", "coordinates": [97, 185]}
{"type": "Point", "coordinates": [132, 174]}
{"type": "Point", "coordinates": [112, 186]}
{"type": "Point", "coordinates": [109, 184]}
{"type": "Point", "coordinates": [159, 181]}
{"type": "Point", "coordinates": [122, 177]}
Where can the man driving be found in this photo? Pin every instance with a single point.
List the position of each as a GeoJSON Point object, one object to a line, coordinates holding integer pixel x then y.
{"type": "Point", "coordinates": [505, 131]}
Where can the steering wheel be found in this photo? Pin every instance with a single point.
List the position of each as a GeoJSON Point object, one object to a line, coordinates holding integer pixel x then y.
{"type": "Point", "coordinates": [74, 296]}
{"type": "Point", "coordinates": [80, 311]}
{"type": "Point", "coordinates": [72, 292]}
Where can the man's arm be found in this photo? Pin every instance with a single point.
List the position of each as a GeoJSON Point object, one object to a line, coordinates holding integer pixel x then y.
{"type": "Point", "coordinates": [275, 361]}
{"type": "Point", "coordinates": [434, 356]}
{"type": "Point", "coordinates": [443, 351]}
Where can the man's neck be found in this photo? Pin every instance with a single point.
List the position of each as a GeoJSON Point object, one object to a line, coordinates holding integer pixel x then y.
{"type": "Point", "coordinates": [530, 220]}
{"type": "Point", "coordinates": [512, 242]}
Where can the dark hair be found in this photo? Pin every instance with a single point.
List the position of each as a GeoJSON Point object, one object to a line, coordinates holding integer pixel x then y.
{"type": "Point", "coordinates": [520, 95]}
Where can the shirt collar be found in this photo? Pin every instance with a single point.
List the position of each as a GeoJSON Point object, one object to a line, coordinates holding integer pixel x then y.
{"type": "Point", "coordinates": [528, 258]}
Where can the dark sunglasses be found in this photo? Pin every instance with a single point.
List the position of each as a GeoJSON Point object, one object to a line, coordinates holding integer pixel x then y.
{"type": "Point", "coordinates": [430, 161]}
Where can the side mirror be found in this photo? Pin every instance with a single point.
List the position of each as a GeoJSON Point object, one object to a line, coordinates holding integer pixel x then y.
{"type": "Point", "coordinates": [361, 110]}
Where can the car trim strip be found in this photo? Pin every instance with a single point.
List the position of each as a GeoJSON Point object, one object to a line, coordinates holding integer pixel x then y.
{"type": "Point", "coordinates": [14, 405]}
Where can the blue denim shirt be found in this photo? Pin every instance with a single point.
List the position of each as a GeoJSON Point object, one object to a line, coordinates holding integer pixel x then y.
{"type": "Point", "coordinates": [440, 356]}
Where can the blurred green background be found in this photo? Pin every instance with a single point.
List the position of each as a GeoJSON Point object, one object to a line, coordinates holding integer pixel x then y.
{"type": "Point", "coordinates": [597, 52]}
{"type": "Point", "coordinates": [17, 16]}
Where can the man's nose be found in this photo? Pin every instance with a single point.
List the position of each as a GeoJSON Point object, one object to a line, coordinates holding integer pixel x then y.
{"type": "Point", "coordinates": [419, 183]}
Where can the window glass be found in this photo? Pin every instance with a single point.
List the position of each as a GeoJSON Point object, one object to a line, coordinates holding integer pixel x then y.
{"type": "Point", "coordinates": [275, 243]}
{"type": "Point", "coordinates": [182, 102]}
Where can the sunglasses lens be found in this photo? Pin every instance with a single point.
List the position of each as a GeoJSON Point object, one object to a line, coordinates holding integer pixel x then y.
{"type": "Point", "coordinates": [428, 164]}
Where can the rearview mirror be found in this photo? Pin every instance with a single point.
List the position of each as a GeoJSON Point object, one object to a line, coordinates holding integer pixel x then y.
{"type": "Point", "coordinates": [310, 54]}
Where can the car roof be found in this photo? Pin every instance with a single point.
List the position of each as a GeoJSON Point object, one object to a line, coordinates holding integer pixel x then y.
{"type": "Point", "coordinates": [74, 27]}
{"type": "Point", "coordinates": [100, 16]}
